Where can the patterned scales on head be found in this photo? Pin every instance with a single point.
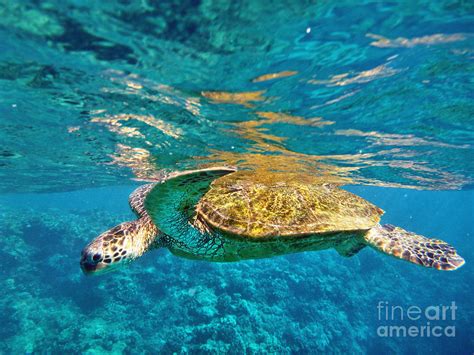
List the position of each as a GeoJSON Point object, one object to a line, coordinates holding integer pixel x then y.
{"type": "Point", "coordinates": [276, 205]}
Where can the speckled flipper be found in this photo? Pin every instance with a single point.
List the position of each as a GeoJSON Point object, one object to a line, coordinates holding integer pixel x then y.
{"type": "Point", "coordinates": [412, 247]}
{"type": "Point", "coordinates": [137, 199]}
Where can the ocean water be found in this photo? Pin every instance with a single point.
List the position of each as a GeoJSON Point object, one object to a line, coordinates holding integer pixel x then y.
{"type": "Point", "coordinates": [98, 97]}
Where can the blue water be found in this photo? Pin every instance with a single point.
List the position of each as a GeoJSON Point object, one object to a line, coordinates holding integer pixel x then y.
{"type": "Point", "coordinates": [96, 97]}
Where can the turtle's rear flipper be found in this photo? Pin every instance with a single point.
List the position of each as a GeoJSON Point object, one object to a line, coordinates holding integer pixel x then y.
{"type": "Point", "coordinates": [412, 247]}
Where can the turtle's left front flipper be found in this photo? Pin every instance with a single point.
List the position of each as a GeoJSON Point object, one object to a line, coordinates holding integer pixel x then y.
{"type": "Point", "coordinates": [412, 247]}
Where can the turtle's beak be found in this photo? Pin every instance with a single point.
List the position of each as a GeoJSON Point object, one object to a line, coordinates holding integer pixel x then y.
{"type": "Point", "coordinates": [91, 264]}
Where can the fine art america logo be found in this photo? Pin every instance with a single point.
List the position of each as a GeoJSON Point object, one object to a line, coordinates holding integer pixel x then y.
{"type": "Point", "coordinates": [415, 321]}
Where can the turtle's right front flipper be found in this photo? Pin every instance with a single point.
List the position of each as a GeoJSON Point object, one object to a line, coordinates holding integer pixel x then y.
{"type": "Point", "coordinates": [412, 247]}
{"type": "Point", "coordinates": [180, 192]}
{"type": "Point", "coordinates": [171, 206]}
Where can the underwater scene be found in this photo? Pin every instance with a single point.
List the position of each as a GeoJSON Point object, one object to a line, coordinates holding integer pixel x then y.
{"type": "Point", "coordinates": [322, 144]}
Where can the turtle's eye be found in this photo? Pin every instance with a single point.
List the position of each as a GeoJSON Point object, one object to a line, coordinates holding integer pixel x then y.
{"type": "Point", "coordinates": [97, 257]}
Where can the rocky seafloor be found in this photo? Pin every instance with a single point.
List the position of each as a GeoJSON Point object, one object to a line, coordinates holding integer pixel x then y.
{"type": "Point", "coordinates": [300, 303]}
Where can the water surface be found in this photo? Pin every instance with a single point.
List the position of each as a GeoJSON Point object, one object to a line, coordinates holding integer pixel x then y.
{"type": "Point", "coordinates": [96, 97]}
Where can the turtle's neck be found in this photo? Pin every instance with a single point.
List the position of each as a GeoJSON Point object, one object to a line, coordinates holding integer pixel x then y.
{"type": "Point", "coordinates": [144, 235]}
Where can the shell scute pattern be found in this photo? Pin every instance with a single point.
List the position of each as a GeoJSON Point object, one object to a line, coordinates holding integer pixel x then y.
{"type": "Point", "coordinates": [283, 207]}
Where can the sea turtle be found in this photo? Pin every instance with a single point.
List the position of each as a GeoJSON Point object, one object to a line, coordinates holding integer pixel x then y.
{"type": "Point", "coordinates": [220, 214]}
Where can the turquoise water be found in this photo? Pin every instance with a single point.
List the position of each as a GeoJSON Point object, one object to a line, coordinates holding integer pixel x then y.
{"type": "Point", "coordinates": [97, 97]}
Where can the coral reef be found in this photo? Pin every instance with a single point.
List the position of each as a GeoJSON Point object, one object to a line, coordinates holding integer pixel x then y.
{"type": "Point", "coordinates": [300, 303]}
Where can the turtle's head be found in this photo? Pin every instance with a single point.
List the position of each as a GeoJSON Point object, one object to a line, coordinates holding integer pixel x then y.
{"type": "Point", "coordinates": [116, 247]}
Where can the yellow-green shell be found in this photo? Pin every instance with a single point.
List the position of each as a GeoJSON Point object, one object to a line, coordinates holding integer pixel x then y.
{"type": "Point", "coordinates": [273, 205]}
